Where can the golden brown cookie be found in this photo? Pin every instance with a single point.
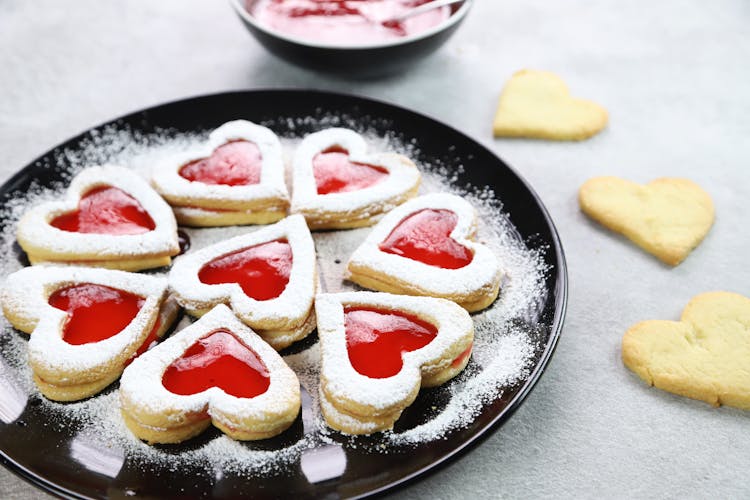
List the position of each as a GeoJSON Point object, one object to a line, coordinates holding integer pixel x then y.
{"type": "Point", "coordinates": [86, 324]}
{"type": "Point", "coordinates": [338, 185]}
{"type": "Point", "coordinates": [667, 217]}
{"type": "Point", "coordinates": [538, 104]}
{"type": "Point", "coordinates": [216, 371]}
{"type": "Point", "coordinates": [109, 218]}
{"type": "Point", "coordinates": [378, 349]}
{"type": "Point", "coordinates": [703, 356]}
{"type": "Point", "coordinates": [426, 247]}
{"type": "Point", "coordinates": [268, 277]}
{"type": "Point", "coordinates": [236, 177]}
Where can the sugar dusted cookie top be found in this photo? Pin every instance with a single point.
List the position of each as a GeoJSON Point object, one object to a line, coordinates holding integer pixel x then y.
{"type": "Point", "coordinates": [286, 252]}
{"type": "Point", "coordinates": [419, 249]}
{"type": "Point", "coordinates": [108, 214]}
{"type": "Point", "coordinates": [703, 356]}
{"type": "Point", "coordinates": [339, 185]}
{"type": "Point", "coordinates": [667, 217]}
{"type": "Point", "coordinates": [538, 104]}
{"type": "Point", "coordinates": [225, 186]}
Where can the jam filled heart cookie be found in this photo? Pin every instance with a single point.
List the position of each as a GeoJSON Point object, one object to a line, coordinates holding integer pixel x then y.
{"type": "Point", "coordinates": [86, 324]}
{"type": "Point", "coordinates": [703, 356]}
{"type": "Point", "coordinates": [667, 217]}
{"type": "Point", "coordinates": [537, 104]}
{"type": "Point", "coordinates": [337, 185]}
{"type": "Point", "coordinates": [236, 178]}
{"type": "Point", "coordinates": [378, 349]}
{"type": "Point", "coordinates": [268, 278]}
{"type": "Point", "coordinates": [216, 371]}
{"type": "Point", "coordinates": [424, 247]}
{"type": "Point", "coordinates": [110, 218]}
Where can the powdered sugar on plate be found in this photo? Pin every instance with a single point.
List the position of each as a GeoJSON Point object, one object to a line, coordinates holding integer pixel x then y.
{"type": "Point", "coordinates": [505, 346]}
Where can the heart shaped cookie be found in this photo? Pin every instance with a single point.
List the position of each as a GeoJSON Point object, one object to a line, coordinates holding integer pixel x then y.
{"type": "Point", "coordinates": [236, 177]}
{"type": "Point", "coordinates": [216, 371]}
{"type": "Point", "coordinates": [667, 217]}
{"type": "Point", "coordinates": [424, 247]}
{"type": "Point", "coordinates": [110, 218]}
{"type": "Point", "coordinates": [703, 356]}
{"type": "Point", "coordinates": [378, 349]}
{"type": "Point", "coordinates": [337, 185]}
{"type": "Point", "coordinates": [538, 104]}
{"type": "Point", "coordinates": [268, 278]}
{"type": "Point", "coordinates": [86, 324]}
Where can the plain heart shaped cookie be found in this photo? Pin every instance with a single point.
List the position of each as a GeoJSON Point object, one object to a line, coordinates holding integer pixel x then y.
{"type": "Point", "coordinates": [538, 104]}
{"type": "Point", "coordinates": [425, 247]}
{"type": "Point", "coordinates": [110, 218]}
{"type": "Point", "coordinates": [216, 371]}
{"type": "Point", "coordinates": [378, 349]}
{"type": "Point", "coordinates": [703, 356]}
{"type": "Point", "coordinates": [235, 178]}
{"type": "Point", "coordinates": [667, 217]}
{"type": "Point", "coordinates": [337, 185]}
{"type": "Point", "coordinates": [86, 324]}
{"type": "Point", "coordinates": [268, 277]}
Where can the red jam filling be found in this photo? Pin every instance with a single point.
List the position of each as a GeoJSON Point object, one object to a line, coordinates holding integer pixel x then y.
{"type": "Point", "coordinates": [345, 22]}
{"type": "Point", "coordinates": [461, 357]}
{"type": "Point", "coordinates": [334, 173]}
{"type": "Point", "coordinates": [376, 339]}
{"type": "Point", "coordinates": [106, 210]}
{"type": "Point", "coordinates": [236, 163]}
{"type": "Point", "coordinates": [95, 312]}
{"type": "Point", "coordinates": [425, 236]}
{"type": "Point", "coordinates": [262, 271]}
{"type": "Point", "coordinates": [218, 360]}
{"type": "Point", "coordinates": [151, 340]}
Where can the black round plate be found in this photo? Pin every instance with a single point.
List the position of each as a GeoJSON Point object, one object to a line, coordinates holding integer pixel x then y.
{"type": "Point", "coordinates": [44, 454]}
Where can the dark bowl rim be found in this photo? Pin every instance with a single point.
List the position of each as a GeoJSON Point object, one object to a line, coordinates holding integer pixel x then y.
{"type": "Point", "coordinates": [453, 20]}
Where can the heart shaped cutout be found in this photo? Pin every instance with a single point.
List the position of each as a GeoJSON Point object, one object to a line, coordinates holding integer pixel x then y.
{"type": "Point", "coordinates": [236, 177]}
{"type": "Point", "coordinates": [425, 236]}
{"type": "Point", "coordinates": [95, 312]}
{"type": "Point", "coordinates": [217, 371]}
{"type": "Point", "coordinates": [262, 271]}
{"type": "Point", "coordinates": [110, 218]}
{"type": "Point", "coordinates": [377, 339]}
{"type": "Point", "coordinates": [425, 247]}
{"type": "Point", "coordinates": [667, 217]}
{"type": "Point", "coordinates": [106, 210]}
{"type": "Point", "coordinates": [235, 163]}
{"type": "Point", "coordinates": [378, 349]}
{"type": "Point", "coordinates": [335, 172]}
{"type": "Point", "coordinates": [703, 356]}
{"type": "Point", "coordinates": [337, 185]}
{"type": "Point", "coordinates": [268, 277]}
{"type": "Point", "coordinates": [86, 324]}
{"type": "Point", "coordinates": [218, 360]}
{"type": "Point", "coordinates": [538, 104]}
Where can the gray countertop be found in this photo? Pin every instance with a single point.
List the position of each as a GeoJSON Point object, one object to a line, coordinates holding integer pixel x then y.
{"type": "Point", "coordinates": [675, 77]}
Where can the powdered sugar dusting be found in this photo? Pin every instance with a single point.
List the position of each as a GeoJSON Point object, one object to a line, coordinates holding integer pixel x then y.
{"type": "Point", "coordinates": [504, 347]}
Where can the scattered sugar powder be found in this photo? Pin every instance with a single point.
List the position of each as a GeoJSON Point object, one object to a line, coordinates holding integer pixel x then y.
{"type": "Point", "coordinates": [505, 342]}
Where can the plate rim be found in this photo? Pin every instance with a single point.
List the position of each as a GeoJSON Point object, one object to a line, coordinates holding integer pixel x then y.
{"type": "Point", "coordinates": [560, 288]}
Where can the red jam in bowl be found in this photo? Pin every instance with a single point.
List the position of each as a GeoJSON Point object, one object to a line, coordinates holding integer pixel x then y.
{"type": "Point", "coordinates": [345, 22]}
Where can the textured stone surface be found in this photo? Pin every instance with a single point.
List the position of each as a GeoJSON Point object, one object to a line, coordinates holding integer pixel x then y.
{"type": "Point", "coordinates": [675, 78]}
